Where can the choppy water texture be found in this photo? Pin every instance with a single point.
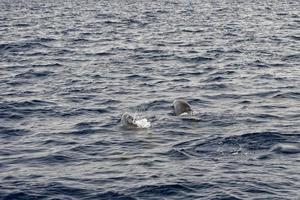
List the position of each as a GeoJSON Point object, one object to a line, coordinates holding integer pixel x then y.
{"type": "Point", "coordinates": [69, 69]}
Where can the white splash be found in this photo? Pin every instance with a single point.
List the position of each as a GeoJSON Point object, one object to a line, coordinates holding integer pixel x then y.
{"type": "Point", "coordinates": [142, 123]}
{"type": "Point", "coordinates": [184, 114]}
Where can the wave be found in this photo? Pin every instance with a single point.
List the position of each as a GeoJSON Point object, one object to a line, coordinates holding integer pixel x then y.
{"type": "Point", "coordinates": [34, 74]}
{"type": "Point", "coordinates": [10, 133]}
{"type": "Point", "coordinates": [154, 105]}
{"type": "Point", "coordinates": [22, 46]}
{"type": "Point", "coordinates": [221, 146]}
{"type": "Point", "coordinates": [197, 59]}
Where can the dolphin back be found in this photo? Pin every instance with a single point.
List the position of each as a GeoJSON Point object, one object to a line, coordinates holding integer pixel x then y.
{"type": "Point", "coordinates": [181, 106]}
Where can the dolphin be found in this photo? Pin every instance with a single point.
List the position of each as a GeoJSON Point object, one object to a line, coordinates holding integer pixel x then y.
{"type": "Point", "coordinates": [182, 107]}
{"type": "Point", "coordinates": [129, 121]}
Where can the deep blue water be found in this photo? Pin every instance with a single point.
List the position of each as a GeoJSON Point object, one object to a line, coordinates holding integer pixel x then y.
{"type": "Point", "coordinates": [69, 69]}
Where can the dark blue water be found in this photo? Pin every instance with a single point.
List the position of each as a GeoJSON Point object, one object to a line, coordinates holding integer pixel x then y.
{"type": "Point", "coordinates": [69, 69]}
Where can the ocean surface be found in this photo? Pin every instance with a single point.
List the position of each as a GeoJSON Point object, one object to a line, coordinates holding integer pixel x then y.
{"type": "Point", "coordinates": [69, 69]}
